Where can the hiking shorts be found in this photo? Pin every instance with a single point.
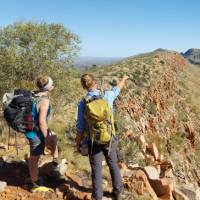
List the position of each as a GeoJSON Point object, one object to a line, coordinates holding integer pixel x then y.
{"type": "Point", "coordinates": [37, 143]}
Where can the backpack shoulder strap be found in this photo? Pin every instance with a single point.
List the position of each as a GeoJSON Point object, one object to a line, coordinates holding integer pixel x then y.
{"type": "Point", "coordinates": [88, 98]}
{"type": "Point", "coordinates": [37, 99]}
{"type": "Point", "coordinates": [42, 97]}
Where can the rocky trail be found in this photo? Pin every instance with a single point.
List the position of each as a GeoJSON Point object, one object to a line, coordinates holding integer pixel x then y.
{"type": "Point", "coordinates": [157, 182]}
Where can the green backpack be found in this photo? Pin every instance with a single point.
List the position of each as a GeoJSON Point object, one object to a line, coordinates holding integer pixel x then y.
{"type": "Point", "coordinates": [99, 118]}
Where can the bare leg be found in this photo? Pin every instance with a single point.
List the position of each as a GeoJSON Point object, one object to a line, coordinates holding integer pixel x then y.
{"type": "Point", "coordinates": [51, 144]}
{"type": "Point", "coordinates": [33, 167]}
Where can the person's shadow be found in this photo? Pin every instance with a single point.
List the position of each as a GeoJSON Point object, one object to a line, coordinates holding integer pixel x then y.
{"type": "Point", "coordinates": [15, 173]}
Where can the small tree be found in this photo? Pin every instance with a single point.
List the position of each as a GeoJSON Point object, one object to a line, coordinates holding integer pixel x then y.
{"type": "Point", "coordinates": [27, 49]}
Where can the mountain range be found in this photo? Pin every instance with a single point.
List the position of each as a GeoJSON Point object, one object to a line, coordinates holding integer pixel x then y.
{"type": "Point", "coordinates": [89, 61]}
{"type": "Point", "coordinates": [193, 55]}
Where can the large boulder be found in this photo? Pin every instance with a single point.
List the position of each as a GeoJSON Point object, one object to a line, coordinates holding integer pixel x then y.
{"type": "Point", "coordinates": [162, 187]}
{"type": "Point", "coordinates": [151, 172]}
{"type": "Point", "coordinates": [137, 182]}
{"type": "Point", "coordinates": [50, 169]}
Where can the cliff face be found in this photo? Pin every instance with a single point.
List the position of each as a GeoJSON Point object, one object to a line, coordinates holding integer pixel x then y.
{"type": "Point", "coordinates": [193, 55]}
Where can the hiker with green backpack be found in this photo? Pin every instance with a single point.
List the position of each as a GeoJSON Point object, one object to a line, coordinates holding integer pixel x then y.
{"type": "Point", "coordinates": [95, 128]}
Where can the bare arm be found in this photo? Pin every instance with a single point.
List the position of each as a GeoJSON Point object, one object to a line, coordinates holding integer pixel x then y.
{"type": "Point", "coordinates": [121, 84]}
{"type": "Point", "coordinates": [80, 125]}
{"type": "Point", "coordinates": [79, 138]}
{"type": "Point", "coordinates": [43, 109]}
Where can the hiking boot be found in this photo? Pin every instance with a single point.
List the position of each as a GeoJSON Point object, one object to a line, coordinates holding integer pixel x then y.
{"type": "Point", "coordinates": [116, 196]}
{"type": "Point", "coordinates": [37, 186]}
{"type": "Point", "coordinates": [40, 189]}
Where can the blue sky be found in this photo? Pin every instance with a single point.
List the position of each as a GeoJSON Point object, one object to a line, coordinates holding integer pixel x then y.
{"type": "Point", "coordinates": [115, 28]}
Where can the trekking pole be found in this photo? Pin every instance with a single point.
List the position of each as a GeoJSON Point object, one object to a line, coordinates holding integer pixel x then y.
{"type": "Point", "coordinates": [9, 139]}
{"type": "Point", "coordinates": [16, 145]}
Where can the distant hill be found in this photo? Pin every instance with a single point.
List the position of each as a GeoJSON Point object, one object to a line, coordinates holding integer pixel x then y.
{"type": "Point", "coordinates": [193, 55]}
{"type": "Point", "coordinates": [83, 62]}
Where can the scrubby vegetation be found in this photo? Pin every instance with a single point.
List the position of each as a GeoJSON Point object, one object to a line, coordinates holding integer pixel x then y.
{"type": "Point", "coordinates": [29, 49]}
